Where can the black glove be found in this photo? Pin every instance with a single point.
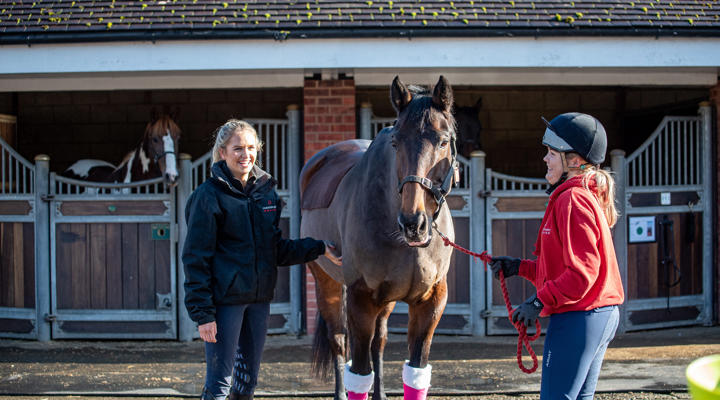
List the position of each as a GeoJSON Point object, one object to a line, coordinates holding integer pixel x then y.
{"type": "Point", "coordinates": [510, 266]}
{"type": "Point", "coordinates": [528, 311]}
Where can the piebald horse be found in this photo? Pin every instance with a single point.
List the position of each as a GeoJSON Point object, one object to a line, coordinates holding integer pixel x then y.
{"type": "Point", "coordinates": [382, 218]}
{"type": "Point", "coordinates": [152, 158]}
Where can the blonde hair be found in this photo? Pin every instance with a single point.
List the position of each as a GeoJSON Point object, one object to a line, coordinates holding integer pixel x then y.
{"type": "Point", "coordinates": [226, 131]}
{"type": "Point", "coordinates": [605, 186]}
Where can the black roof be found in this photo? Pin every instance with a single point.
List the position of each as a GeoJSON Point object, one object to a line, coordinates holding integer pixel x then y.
{"type": "Point", "coordinates": [108, 20]}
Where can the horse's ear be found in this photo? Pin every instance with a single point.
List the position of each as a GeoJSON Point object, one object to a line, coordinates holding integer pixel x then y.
{"type": "Point", "coordinates": [443, 95]}
{"type": "Point", "coordinates": [174, 112]}
{"type": "Point", "coordinates": [400, 96]}
{"type": "Point", "coordinates": [154, 114]}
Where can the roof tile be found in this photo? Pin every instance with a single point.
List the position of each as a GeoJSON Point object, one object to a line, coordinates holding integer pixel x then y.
{"type": "Point", "coordinates": [343, 18]}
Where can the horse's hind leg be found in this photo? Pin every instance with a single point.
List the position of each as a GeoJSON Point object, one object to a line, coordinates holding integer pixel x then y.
{"type": "Point", "coordinates": [424, 317]}
{"type": "Point", "coordinates": [331, 328]}
{"type": "Point", "coordinates": [378, 348]}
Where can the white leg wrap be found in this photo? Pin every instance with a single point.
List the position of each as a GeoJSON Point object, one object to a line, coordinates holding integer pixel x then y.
{"type": "Point", "coordinates": [417, 378]}
{"type": "Point", "coordinates": [357, 383]}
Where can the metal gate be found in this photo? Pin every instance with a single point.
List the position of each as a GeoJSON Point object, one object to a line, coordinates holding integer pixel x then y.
{"type": "Point", "coordinates": [112, 259]}
{"type": "Point", "coordinates": [18, 212]}
{"type": "Point", "coordinates": [281, 159]}
{"type": "Point", "coordinates": [514, 208]}
{"type": "Point", "coordinates": [663, 237]}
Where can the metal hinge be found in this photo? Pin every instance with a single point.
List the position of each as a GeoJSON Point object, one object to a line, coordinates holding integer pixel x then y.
{"type": "Point", "coordinates": [486, 313]}
{"type": "Point", "coordinates": [484, 193]}
{"type": "Point", "coordinates": [50, 317]}
{"type": "Point", "coordinates": [47, 197]}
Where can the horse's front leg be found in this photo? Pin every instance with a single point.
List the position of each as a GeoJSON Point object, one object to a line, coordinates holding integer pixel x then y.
{"type": "Point", "coordinates": [362, 313]}
{"type": "Point", "coordinates": [423, 319]}
{"type": "Point", "coordinates": [378, 348]}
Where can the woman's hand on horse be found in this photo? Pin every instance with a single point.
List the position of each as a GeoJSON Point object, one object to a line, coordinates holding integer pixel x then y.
{"type": "Point", "coordinates": [510, 266]}
{"type": "Point", "coordinates": [208, 332]}
{"type": "Point", "coordinates": [331, 253]}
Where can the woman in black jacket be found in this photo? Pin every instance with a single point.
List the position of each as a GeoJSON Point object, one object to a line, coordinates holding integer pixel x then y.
{"type": "Point", "coordinates": [230, 257]}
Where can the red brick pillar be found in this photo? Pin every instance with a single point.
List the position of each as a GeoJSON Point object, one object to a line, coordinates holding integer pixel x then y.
{"type": "Point", "coordinates": [715, 107]}
{"type": "Point", "coordinates": [329, 117]}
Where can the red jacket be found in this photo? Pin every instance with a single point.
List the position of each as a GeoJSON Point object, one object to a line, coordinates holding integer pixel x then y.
{"type": "Point", "coordinates": [576, 268]}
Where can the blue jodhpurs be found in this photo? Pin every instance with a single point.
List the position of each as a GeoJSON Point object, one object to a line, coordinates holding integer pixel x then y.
{"type": "Point", "coordinates": [574, 349]}
{"type": "Point", "coordinates": [234, 360]}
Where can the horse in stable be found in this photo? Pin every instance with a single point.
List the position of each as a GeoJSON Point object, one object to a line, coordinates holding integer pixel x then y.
{"type": "Point", "coordinates": [153, 157]}
{"type": "Point", "coordinates": [380, 202]}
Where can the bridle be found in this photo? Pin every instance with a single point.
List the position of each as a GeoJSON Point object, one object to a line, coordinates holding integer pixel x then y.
{"type": "Point", "coordinates": [438, 192]}
{"type": "Point", "coordinates": [165, 152]}
{"type": "Point", "coordinates": [162, 155]}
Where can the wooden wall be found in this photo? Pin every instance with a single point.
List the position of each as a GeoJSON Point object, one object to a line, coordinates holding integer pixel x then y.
{"type": "Point", "coordinates": [459, 273]}
{"type": "Point", "coordinates": [514, 238]}
{"type": "Point", "coordinates": [17, 265]}
{"type": "Point", "coordinates": [647, 277]}
{"type": "Point", "coordinates": [110, 266]}
{"type": "Point", "coordinates": [7, 128]}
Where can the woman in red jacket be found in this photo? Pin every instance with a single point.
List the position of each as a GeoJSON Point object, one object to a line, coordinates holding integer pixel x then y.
{"type": "Point", "coordinates": [576, 272]}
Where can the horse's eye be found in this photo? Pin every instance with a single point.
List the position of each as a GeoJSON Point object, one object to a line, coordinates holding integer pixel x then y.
{"type": "Point", "coordinates": [394, 144]}
{"type": "Point", "coordinates": [155, 139]}
{"type": "Point", "coordinates": [444, 144]}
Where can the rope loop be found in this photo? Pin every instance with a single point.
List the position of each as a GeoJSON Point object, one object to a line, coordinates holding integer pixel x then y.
{"type": "Point", "coordinates": [523, 338]}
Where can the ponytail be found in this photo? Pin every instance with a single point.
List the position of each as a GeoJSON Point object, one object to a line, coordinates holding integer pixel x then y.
{"type": "Point", "coordinates": [605, 191]}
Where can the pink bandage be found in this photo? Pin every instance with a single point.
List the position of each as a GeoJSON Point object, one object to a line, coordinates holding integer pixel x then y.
{"type": "Point", "coordinates": [357, 396]}
{"type": "Point", "coordinates": [410, 393]}
{"type": "Point", "coordinates": [416, 382]}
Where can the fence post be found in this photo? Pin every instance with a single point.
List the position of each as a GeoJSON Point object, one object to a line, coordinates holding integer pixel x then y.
{"type": "Point", "coordinates": [477, 241]}
{"type": "Point", "coordinates": [617, 163]}
{"type": "Point", "coordinates": [42, 248]}
{"type": "Point", "coordinates": [365, 118]}
{"type": "Point", "coordinates": [294, 165]}
{"type": "Point", "coordinates": [186, 326]}
{"type": "Point", "coordinates": [708, 221]}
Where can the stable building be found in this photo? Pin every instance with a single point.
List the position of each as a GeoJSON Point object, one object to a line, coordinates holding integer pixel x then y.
{"type": "Point", "coordinates": [81, 79]}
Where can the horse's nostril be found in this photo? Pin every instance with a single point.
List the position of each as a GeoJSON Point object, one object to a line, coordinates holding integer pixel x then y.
{"type": "Point", "coordinates": [423, 223]}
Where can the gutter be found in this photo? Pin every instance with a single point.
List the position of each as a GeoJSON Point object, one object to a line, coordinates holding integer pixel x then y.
{"type": "Point", "coordinates": [350, 33]}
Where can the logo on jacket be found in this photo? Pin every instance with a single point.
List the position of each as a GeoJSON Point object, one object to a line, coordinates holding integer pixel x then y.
{"type": "Point", "coordinates": [270, 207]}
{"type": "Point", "coordinates": [545, 230]}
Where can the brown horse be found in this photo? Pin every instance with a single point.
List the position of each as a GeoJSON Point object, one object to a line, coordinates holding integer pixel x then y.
{"type": "Point", "coordinates": [153, 157]}
{"type": "Point", "coordinates": [381, 218]}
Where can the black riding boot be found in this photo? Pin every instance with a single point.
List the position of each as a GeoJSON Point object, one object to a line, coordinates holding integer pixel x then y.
{"type": "Point", "coordinates": [237, 396]}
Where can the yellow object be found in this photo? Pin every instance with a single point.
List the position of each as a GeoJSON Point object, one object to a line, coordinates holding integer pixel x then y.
{"type": "Point", "coordinates": [703, 376]}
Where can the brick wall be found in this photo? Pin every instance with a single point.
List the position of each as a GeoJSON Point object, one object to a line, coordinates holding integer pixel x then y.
{"type": "Point", "coordinates": [329, 117]}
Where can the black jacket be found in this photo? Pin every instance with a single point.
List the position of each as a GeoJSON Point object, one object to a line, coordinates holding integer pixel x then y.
{"type": "Point", "coordinates": [234, 245]}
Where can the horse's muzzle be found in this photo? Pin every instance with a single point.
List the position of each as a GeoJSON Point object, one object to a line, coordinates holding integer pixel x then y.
{"type": "Point", "coordinates": [415, 229]}
{"type": "Point", "coordinates": [170, 180]}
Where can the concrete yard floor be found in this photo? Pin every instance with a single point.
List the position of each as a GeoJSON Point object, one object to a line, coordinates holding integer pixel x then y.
{"type": "Point", "coordinates": [638, 365]}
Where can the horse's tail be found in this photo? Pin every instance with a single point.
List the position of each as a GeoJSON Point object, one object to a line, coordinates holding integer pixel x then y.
{"type": "Point", "coordinates": [321, 351]}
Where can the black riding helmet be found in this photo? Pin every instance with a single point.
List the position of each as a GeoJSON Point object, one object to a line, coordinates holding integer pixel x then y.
{"type": "Point", "coordinates": [577, 132]}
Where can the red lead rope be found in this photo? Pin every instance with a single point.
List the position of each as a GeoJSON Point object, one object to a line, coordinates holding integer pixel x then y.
{"type": "Point", "coordinates": [523, 338]}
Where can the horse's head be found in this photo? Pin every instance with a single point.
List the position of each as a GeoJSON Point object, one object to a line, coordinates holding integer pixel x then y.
{"type": "Point", "coordinates": [469, 128]}
{"type": "Point", "coordinates": [161, 143]}
{"type": "Point", "coordinates": [424, 142]}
